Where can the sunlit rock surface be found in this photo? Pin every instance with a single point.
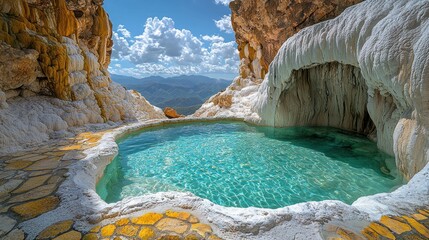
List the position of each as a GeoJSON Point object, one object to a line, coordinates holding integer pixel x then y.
{"type": "Point", "coordinates": [365, 71]}
{"type": "Point", "coordinates": [53, 71]}
{"type": "Point", "coordinates": [261, 27]}
{"type": "Point", "coordinates": [171, 113]}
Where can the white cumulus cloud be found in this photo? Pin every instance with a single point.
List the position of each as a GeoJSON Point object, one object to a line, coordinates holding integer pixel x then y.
{"type": "Point", "coordinates": [163, 49]}
{"type": "Point", "coordinates": [121, 47]}
{"type": "Point", "coordinates": [213, 38]}
{"type": "Point", "coordinates": [122, 30]}
{"type": "Point", "coordinates": [224, 24]}
{"type": "Point", "coordinates": [223, 2]}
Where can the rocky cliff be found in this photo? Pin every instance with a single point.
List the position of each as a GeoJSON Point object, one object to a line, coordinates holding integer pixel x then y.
{"type": "Point", "coordinates": [364, 71]}
{"type": "Point", "coordinates": [261, 27]}
{"type": "Point", "coordinates": [54, 56]}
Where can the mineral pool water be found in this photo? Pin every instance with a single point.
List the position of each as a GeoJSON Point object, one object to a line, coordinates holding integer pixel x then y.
{"type": "Point", "coordinates": [238, 165]}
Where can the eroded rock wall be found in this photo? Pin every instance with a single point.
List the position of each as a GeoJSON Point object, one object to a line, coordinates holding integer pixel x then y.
{"type": "Point", "coordinates": [54, 56]}
{"type": "Point", "coordinates": [261, 27]}
{"type": "Point", "coordinates": [388, 42]}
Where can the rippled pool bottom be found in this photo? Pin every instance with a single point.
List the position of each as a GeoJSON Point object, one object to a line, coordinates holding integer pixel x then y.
{"type": "Point", "coordinates": [234, 164]}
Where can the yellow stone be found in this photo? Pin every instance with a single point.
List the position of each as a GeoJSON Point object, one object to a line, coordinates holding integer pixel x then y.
{"type": "Point", "coordinates": [394, 225]}
{"type": "Point", "coordinates": [93, 139]}
{"type": "Point", "coordinates": [179, 215]}
{"type": "Point", "coordinates": [37, 157]}
{"type": "Point", "coordinates": [172, 225]}
{"type": "Point", "coordinates": [201, 228]}
{"type": "Point", "coordinates": [344, 234]}
{"type": "Point", "coordinates": [214, 237]}
{"type": "Point", "coordinates": [169, 237]}
{"type": "Point", "coordinates": [146, 233]}
{"type": "Point", "coordinates": [57, 153]}
{"type": "Point", "coordinates": [18, 165]}
{"type": "Point", "coordinates": [128, 230]}
{"type": "Point", "coordinates": [55, 180]}
{"type": "Point", "coordinates": [30, 157]}
{"type": "Point", "coordinates": [108, 230]}
{"type": "Point", "coordinates": [192, 237]}
{"type": "Point", "coordinates": [32, 183]}
{"type": "Point", "coordinates": [72, 235]}
{"type": "Point", "coordinates": [193, 219]}
{"type": "Point", "coordinates": [72, 147]}
{"type": "Point", "coordinates": [36, 193]}
{"type": "Point", "coordinates": [122, 222]}
{"type": "Point", "coordinates": [418, 226]}
{"type": "Point", "coordinates": [370, 234]}
{"type": "Point", "coordinates": [95, 229]}
{"type": "Point", "coordinates": [382, 230]}
{"type": "Point", "coordinates": [419, 217]}
{"type": "Point", "coordinates": [38, 173]}
{"type": "Point", "coordinates": [55, 229]}
{"type": "Point", "coordinates": [43, 165]}
{"type": "Point", "coordinates": [423, 212]}
{"type": "Point", "coordinates": [90, 236]}
{"type": "Point", "coordinates": [35, 208]}
{"type": "Point", "coordinates": [147, 219]}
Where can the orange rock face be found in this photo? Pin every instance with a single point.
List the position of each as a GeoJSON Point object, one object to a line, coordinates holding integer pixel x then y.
{"type": "Point", "coordinates": [42, 26]}
{"type": "Point", "coordinates": [261, 27]}
{"type": "Point", "coordinates": [171, 113]}
{"type": "Point", "coordinates": [222, 100]}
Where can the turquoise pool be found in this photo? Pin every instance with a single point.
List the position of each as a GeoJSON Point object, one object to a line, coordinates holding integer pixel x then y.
{"type": "Point", "coordinates": [235, 164]}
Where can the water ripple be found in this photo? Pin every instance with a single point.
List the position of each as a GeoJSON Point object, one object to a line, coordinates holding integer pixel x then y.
{"type": "Point", "coordinates": [233, 164]}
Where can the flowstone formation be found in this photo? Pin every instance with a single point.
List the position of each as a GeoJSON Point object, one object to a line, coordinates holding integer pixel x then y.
{"type": "Point", "coordinates": [53, 69]}
{"type": "Point", "coordinates": [261, 27]}
{"type": "Point", "coordinates": [364, 71]}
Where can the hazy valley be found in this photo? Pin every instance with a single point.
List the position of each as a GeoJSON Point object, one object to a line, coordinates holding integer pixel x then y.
{"type": "Point", "coordinates": [184, 93]}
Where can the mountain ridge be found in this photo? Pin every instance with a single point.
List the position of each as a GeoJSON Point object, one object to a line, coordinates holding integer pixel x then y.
{"type": "Point", "coordinates": [185, 93]}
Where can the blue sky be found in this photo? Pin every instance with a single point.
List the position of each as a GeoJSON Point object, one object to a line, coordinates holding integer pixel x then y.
{"type": "Point", "coordinates": [172, 37]}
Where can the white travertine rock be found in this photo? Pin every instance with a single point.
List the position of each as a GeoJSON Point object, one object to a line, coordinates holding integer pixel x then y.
{"type": "Point", "coordinates": [235, 101]}
{"type": "Point", "coordinates": [385, 40]}
{"type": "Point", "coordinates": [33, 120]}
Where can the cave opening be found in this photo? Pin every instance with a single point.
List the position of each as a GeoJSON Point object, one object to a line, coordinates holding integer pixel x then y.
{"type": "Point", "coordinates": [329, 95]}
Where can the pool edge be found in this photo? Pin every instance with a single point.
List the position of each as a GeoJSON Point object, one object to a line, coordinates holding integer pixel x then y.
{"type": "Point", "coordinates": [231, 222]}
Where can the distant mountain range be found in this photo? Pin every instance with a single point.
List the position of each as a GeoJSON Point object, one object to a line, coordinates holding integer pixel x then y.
{"type": "Point", "coordinates": [184, 93]}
